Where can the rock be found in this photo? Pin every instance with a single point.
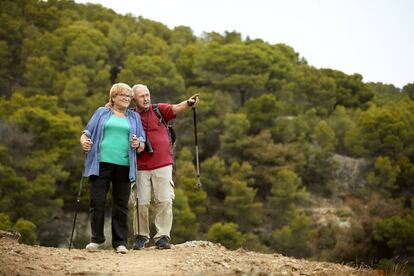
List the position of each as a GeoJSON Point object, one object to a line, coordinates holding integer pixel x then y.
{"type": "Point", "coordinates": [14, 235]}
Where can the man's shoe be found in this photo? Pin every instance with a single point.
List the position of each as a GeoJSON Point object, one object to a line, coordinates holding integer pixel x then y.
{"type": "Point", "coordinates": [93, 246]}
{"type": "Point", "coordinates": [140, 243]}
{"type": "Point", "coordinates": [121, 249]}
{"type": "Point", "coordinates": [163, 243]}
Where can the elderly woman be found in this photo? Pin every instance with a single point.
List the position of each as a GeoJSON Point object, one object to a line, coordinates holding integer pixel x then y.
{"type": "Point", "coordinates": [111, 138]}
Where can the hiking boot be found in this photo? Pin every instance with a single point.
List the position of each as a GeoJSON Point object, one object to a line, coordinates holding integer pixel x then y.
{"type": "Point", "coordinates": [163, 243]}
{"type": "Point", "coordinates": [93, 246]}
{"type": "Point", "coordinates": [121, 249]}
{"type": "Point", "coordinates": [140, 243]}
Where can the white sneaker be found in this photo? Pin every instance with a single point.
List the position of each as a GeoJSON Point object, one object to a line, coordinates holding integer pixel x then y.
{"type": "Point", "coordinates": [121, 249]}
{"type": "Point", "coordinates": [93, 246]}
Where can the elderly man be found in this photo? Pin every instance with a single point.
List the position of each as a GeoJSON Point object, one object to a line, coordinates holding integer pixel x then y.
{"type": "Point", "coordinates": [155, 166]}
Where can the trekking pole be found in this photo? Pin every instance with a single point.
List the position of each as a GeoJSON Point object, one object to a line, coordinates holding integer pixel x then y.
{"type": "Point", "coordinates": [136, 195]}
{"type": "Point", "coordinates": [198, 185]}
{"type": "Point", "coordinates": [76, 209]}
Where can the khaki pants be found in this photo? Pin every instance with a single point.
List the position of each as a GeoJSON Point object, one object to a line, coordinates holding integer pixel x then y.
{"type": "Point", "coordinates": [158, 183]}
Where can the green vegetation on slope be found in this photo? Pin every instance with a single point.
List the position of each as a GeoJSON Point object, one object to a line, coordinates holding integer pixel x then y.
{"type": "Point", "coordinates": [269, 127]}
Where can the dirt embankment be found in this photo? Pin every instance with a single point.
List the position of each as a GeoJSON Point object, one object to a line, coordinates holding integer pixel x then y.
{"type": "Point", "coordinates": [190, 258]}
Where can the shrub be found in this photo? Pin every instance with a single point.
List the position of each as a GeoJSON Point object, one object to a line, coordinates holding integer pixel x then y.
{"type": "Point", "coordinates": [5, 223]}
{"type": "Point", "coordinates": [227, 234]}
{"type": "Point", "coordinates": [28, 231]}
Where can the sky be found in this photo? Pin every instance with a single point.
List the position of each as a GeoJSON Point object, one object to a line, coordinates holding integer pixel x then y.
{"type": "Point", "coordinates": [374, 38]}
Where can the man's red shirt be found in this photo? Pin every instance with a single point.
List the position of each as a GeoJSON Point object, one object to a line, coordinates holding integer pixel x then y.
{"type": "Point", "coordinates": [157, 134]}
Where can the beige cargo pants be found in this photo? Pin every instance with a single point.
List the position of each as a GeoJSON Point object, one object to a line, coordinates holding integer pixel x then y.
{"type": "Point", "coordinates": [159, 185]}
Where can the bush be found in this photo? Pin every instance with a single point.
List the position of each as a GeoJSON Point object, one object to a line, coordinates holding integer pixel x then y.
{"type": "Point", "coordinates": [28, 231]}
{"type": "Point", "coordinates": [397, 233]}
{"type": "Point", "coordinates": [253, 243]}
{"type": "Point", "coordinates": [227, 234]}
{"type": "Point", "coordinates": [395, 267]}
{"type": "Point", "coordinates": [5, 223]}
{"type": "Point", "coordinates": [185, 226]}
{"type": "Point", "coordinates": [292, 239]}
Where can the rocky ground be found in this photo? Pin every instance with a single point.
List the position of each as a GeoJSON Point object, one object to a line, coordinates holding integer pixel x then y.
{"type": "Point", "coordinates": [190, 258]}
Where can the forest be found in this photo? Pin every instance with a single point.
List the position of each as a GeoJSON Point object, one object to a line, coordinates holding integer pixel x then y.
{"type": "Point", "coordinates": [307, 162]}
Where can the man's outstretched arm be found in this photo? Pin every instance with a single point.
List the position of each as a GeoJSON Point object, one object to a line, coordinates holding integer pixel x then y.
{"type": "Point", "coordinates": [185, 105]}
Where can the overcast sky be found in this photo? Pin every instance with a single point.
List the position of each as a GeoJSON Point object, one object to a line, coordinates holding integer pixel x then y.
{"type": "Point", "coordinates": [374, 38]}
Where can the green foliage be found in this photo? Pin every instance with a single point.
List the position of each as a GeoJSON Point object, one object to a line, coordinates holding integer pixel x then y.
{"type": "Point", "coordinates": [318, 171]}
{"type": "Point", "coordinates": [384, 94]}
{"type": "Point", "coordinates": [46, 135]}
{"type": "Point", "coordinates": [262, 112]}
{"type": "Point", "coordinates": [82, 45]}
{"type": "Point", "coordinates": [185, 226]}
{"type": "Point", "coordinates": [211, 113]}
{"type": "Point", "coordinates": [396, 266]}
{"type": "Point", "coordinates": [324, 137]}
{"type": "Point", "coordinates": [292, 239]}
{"type": "Point", "coordinates": [227, 234]}
{"type": "Point", "coordinates": [236, 67]}
{"type": "Point", "coordinates": [182, 35]}
{"type": "Point", "coordinates": [357, 239]}
{"type": "Point", "coordinates": [384, 176]}
{"type": "Point", "coordinates": [5, 223]}
{"type": "Point", "coordinates": [288, 129]}
{"type": "Point", "coordinates": [287, 189]}
{"type": "Point", "coordinates": [347, 133]}
{"type": "Point", "coordinates": [269, 124]}
{"type": "Point", "coordinates": [186, 178]}
{"type": "Point", "coordinates": [41, 81]}
{"type": "Point", "coordinates": [350, 90]}
{"type": "Point", "coordinates": [326, 238]}
{"type": "Point", "coordinates": [408, 89]}
{"type": "Point", "coordinates": [27, 229]}
{"type": "Point", "coordinates": [388, 130]}
{"type": "Point", "coordinates": [405, 178]}
{"type": "Point", "coordinates": [5, 64]}
{"type": "Point", "coordinates": [185, 62]}
{"type": "Point", "coordinates": [157, 72]}
{"type": "Point", "coordinates": [226, 38]}
{"type": "Point", "coordinates": [148, 44]}
{"type": "Point", "coordinates": [214, 168]}
{"type": "Point", "coordinates": [310, 89]}
{"type": "Point", "coordinates": [252, 242]}
{"type": "Point", "coordinates": [351, 242]}
{"type": "Point", "coordinates": [85, 50]}
{"type": "Point", "coordinates": [234, 138]}
{"type": "Point", "coordinates": [397, 232]}
{"type": "Point", "coordinates": [286, 195]}
{"type": "Point", "coordinates": [156, 28]}
{"type": "Point", "coordinates": [267, 157]}
{"type": "Point", "coordinates": [240, 205]}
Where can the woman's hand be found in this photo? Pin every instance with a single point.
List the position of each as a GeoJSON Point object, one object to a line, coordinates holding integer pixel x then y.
{"type": "Point", "coordinates": [134, 142]}
{"type": "Point", "coordinates": [86, 143]}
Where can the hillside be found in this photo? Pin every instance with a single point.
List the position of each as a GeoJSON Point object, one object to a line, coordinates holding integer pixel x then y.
{"type": "Point", "coordinates": [302, 161]}
{"type": "Point", "coordinates": [189, 258]}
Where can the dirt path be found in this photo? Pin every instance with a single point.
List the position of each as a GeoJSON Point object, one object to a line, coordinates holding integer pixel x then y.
{"type": "Point", "coordinates": [190, 258]}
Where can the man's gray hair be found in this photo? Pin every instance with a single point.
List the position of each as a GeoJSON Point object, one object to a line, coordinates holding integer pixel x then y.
{"type": "Point", "coordinates": [138, 86]}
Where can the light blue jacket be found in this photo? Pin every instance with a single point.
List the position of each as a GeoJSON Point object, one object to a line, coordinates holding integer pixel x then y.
{"type": "Point", "coordinates": [95, 130]}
